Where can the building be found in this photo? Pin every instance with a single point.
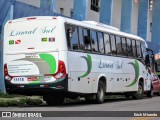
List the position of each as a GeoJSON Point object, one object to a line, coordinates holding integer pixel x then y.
{"type": "Point", "coordinates": [133, 16]}
{"type": "Point", "coordinates": [65, 7]}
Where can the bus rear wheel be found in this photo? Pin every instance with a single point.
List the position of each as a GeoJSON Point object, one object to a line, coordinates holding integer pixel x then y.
{"type": "Point", "coordinates": [99, 96]}
{"type": "Point", "coordinates": [53, 100]}
{"type": "Point", "coordinates": [140, 92]}
{"type": "Point", "coordinates": [100, 93]}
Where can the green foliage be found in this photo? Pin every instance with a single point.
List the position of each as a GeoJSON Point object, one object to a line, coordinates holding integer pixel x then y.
{"type": "Point", "coordinates": [3, 103]}
{"type": "Point", "coordinates": [20, 102]}
{"type": "Point", "coordinates": [12, 103]}
{"type": "Point", "coordinates": [33, 101]}
{"type": "Point", "coordinates": [6, 95]}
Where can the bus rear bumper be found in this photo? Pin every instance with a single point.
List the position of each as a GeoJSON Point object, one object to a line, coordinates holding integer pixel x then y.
{"type": "Point", "coordinates": [37, 89]}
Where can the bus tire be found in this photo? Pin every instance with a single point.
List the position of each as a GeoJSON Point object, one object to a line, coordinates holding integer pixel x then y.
{"type": "Point", "coordinates": [150, 93]}
{"type": "Point", "coordinates": [53, 100]}
{"type": "Point", "coordinates": [100, 93]}
{"type": "Point", "coordinates": [140, 92]}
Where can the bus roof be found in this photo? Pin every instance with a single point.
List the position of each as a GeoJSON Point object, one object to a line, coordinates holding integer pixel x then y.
{"type": "Point", "coordinates": [86, 24]}
{"type": "Point", "coordinates": [103, 28]}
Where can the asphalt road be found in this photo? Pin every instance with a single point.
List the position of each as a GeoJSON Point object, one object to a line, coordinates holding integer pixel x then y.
{"type": "Point", "coordinates": [116, 105]}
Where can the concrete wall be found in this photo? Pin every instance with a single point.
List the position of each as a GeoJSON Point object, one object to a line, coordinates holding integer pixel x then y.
{"type": "Point", "coordinates": [92, 15]}
{"type": "Point", "coordinates": [149, 26]}
{"type": "Point", "coordinates": [135, 18]}
{"type": "Point", "coordinates": [67, 5]}
{"type": "Point", "coordinates": [116, 15]}
{"type": "Point", "coordinates": [31, 2]}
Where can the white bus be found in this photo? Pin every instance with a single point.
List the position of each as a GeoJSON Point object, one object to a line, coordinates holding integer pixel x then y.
{"type": "Point", "coordinates": [58, 57]}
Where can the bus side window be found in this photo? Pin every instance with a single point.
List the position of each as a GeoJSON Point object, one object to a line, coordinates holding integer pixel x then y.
{"type": "Point", "coordinates": [107, 44]}
{"type": "Point", "coordinates": [72, 37]}
{"type": "Point", "coordinates": [68, 35]}
{"type": "Point", "coordinates": [139, 52]}
{"type": "Point", "coordinates": [124, 46]}
{"type": "Point", "coordinates": [134, 48]}
{"type": "Point", "coordinates": [113, 45]}
{"type": "Point", "coordinates": [129, 47]}
{"type": "Point", "coordinates": [87, 40]}
{"type": "Point", "coordinates": [119, 45]}
{"type": "Point", "coordinates": [101, 42]}
{"type": "Point", "coordinates": [143, 49]}
{"type": "Point", "coordinates": [81, 39]}
{"type": "Point", "coordinates": [93, 38]}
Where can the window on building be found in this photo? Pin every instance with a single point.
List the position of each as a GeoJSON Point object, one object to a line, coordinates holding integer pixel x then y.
{"type": "Point", "coordinates": [100, 41]}
{"type": "Point", "coordinates": [71, 13]}
{"type": "Point", "coordinates": [62, 11]}
{"type": "Point", "coordinates": [107, 44]}
{"type": "Point", "coordinates": [150, 27]}
{"type": "Point", "coordinates": [95, 5]}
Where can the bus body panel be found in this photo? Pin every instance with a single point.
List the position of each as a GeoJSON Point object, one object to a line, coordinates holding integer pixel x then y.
{"type": "Point", "coordinates": [35, 64]}
{"type": "Point", "coordinates": [120, 73]}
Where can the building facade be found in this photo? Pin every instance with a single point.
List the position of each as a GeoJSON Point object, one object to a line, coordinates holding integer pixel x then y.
{"type": "Point", "coordinates": [65, 7]}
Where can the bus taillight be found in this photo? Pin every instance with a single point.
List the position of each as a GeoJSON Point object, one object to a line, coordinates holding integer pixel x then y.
{"type": "Point", "coordinates": [5, 70]}
{"type": "Point", "coordinates": [6, 75]}
{"type": "Point", "coordinates": [54, 18]}
{"type": "Point", "coordinates": [31, 18]}
{"type": "Point", "coordinates": [61, 73]}
{"type": "Point", "coordinates": [10, 22]}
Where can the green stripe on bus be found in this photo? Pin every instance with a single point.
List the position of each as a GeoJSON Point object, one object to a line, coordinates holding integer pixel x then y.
{"type": "Point", "coordinates": [136, 67]}
{"type": "Point", "coordinates": [50, 59]}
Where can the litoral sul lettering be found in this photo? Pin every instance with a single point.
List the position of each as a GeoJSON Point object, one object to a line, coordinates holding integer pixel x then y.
{"type": "Point", "coordinates": [27, 32]}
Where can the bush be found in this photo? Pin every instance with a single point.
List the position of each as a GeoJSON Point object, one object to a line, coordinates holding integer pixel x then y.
{"type": "Point", "coordinates": [6, 95]}
{"type": "Point", "coordinates": [3, 103]}
{"type": "Point", "coordinates": [33, 101]}
{"type": "Point", "coordinates": [12, 102]}
{"type": "Point", "coordinates": [20, 102]}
